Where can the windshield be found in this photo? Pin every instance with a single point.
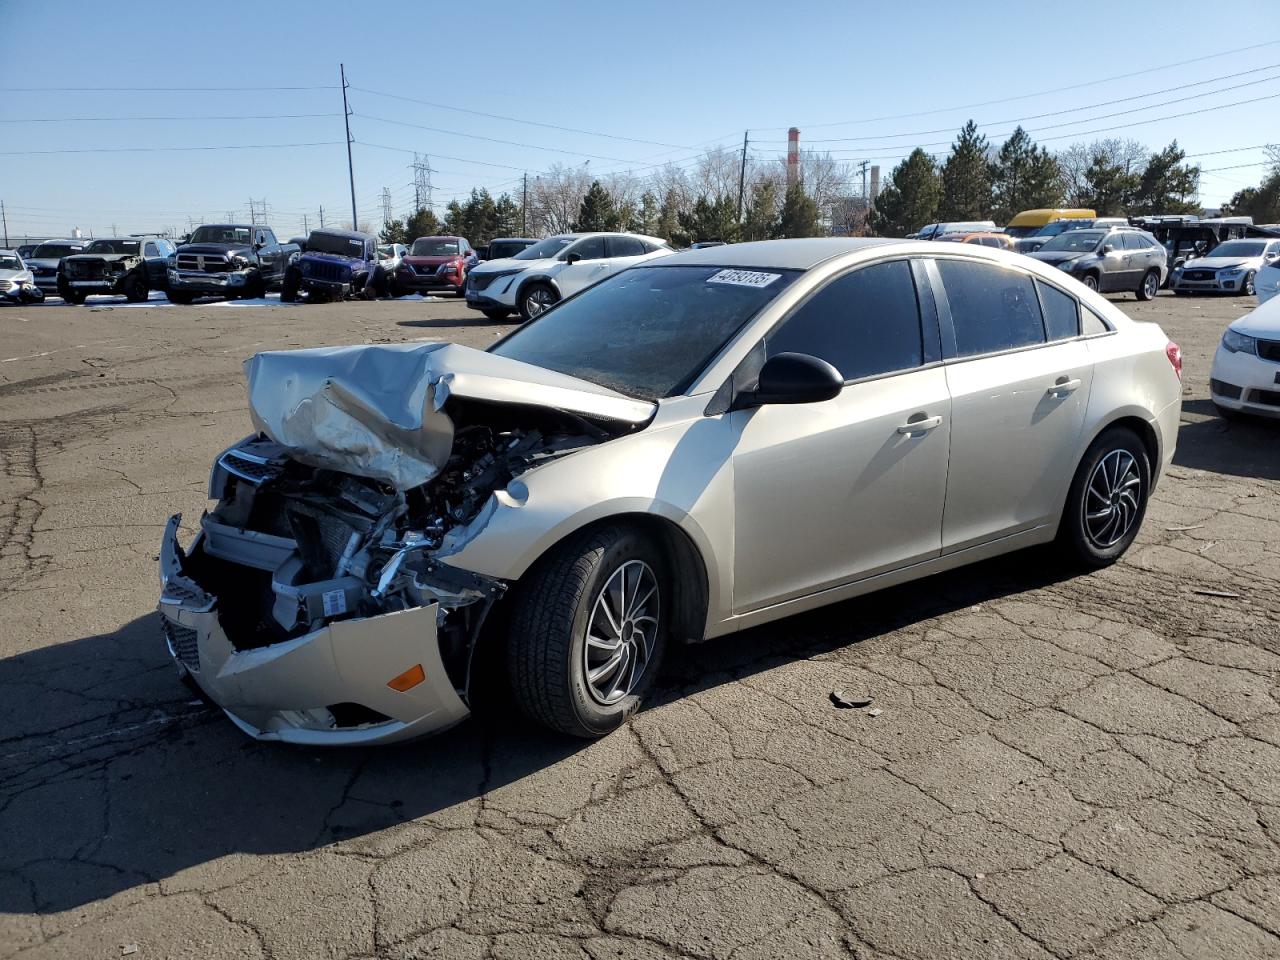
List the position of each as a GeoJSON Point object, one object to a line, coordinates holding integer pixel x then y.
{"type": "Point", "coordinates": [508, 248]}
{"type": "Point", "coordinates": [1059, 227]}
{"type": "Point", "coordinates": [1239, 248]}
{"type": "Point", "coordinates": [10, 263]}
{"type": "Point", "coordinates": [646, 332]}
{"type": "Point", "coordinates": [55, 251]}
{"type": "Point", "coordinates": [220, 235]}
{"type": "Point", "coordinates": [114, 246]}
{"type": "Point", "coordinates": [386, 251]}
{"type": "Point", "coordinates": [434, 247]}
{"type": "Point", "coordinates": [1022, 231]}
{"type": "Point", "coordinates": [1074, 241]}
{"type": "Point", "coordinates": [545, 248]}
{"type": "Point", "coordinates": [328, 243]}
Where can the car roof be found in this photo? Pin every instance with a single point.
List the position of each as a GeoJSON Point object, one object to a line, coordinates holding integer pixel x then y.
{"type": "Point", "coordinates": [345, 234]}
{"type": "Point", "coordinates": [605, 233]}
{"type": "Point", "coordinates": [799, 254]}
{"type": "Point", "coordinates": [513, 240]}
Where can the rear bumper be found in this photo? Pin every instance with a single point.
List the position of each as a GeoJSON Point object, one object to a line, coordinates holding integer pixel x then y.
{"type": "Point", "coordinates": [283, 691]}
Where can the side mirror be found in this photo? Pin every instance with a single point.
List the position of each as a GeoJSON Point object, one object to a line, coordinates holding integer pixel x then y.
{"type": "Point", "coordinates": [793, 378]}
{"type": "Point", "coordinates": [1108, 248]}
{"type": "Point", "coordinates": [572, 257]}
{"type": "Point", "coordinates": [258, 245]}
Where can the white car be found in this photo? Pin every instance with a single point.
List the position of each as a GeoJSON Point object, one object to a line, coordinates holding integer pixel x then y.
{"type": "Point", "coordinates": [1267, 282]}
{"type": "Point", "coordinates": [390, 255]}
{"type": "Point", "coordinates": [1230, 267]}
{"type": "Point", "coordinates": [1246, 369]}
{"type": "Point", "coordinates": [552, 269]}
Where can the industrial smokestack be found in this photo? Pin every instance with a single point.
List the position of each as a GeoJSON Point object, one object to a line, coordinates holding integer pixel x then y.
{"type": "Point", "coordinates": [875, 183]}
{"type": "Point", "coordinates": [793, 156]}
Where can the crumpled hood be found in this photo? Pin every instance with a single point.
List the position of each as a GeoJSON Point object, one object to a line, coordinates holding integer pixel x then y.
{"type": "Point", "coordinates": [1221, 263]}
{"type": "Point", "coordinates": [104, 257]}
{"type": "Point", "coordinates": [377, 410]}
{"type": "Point", "coordinates": [7, 275]}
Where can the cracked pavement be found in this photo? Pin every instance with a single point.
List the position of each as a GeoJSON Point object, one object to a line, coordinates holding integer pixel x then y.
{"type": "Point", "coordinates": [1064, 766]}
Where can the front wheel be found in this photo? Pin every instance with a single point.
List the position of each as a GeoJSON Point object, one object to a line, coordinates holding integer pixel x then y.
{"type": "Point", "coordinates": [71, 296]}
{"type": "Point", "coordinates": [1150, 285]}
{"type": "Point", "coordinates": [588, 631]}
{"type": "Point", "coordinates": [289, 286]}
{"type": "Point", "coordinates": [1090, 281]}
{"type": "Point", "coordinates": [1248, 288]}
{"type": "Point", "coordinates": [135, 289]}
{"type": "Point", "coordinates": [1107, 499]}
{"type": "Point", "coordinates": [536, 299]}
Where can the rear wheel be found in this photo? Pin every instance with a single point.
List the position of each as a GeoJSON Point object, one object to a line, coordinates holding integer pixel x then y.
{"type": "Point", "coordinates": [588, 631]}
{"type": "Point", "coordinates": [536, 299]}
{"type": "Point", "coordinates": [1150, 285]}
{"type": "Point", "coordinates": [1107, 499]}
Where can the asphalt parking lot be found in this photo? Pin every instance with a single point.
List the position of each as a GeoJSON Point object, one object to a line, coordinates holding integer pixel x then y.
{"type": "Point", "coordinates": [1063, 766]}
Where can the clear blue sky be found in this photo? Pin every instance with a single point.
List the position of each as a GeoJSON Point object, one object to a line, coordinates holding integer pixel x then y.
{"type": "Point", "coordinates": [676, 74]}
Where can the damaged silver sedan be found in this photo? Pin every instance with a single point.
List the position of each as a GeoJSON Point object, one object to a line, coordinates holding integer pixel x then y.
{"type": "Point", "coordinates": [688, 448]}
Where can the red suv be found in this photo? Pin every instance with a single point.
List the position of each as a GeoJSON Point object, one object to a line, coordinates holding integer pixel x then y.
{"type": "Point", "coordinates": [435, 264]}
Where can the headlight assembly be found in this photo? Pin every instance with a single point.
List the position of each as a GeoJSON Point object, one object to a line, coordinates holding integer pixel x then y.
{"type": "Point", "coordinates": [1066, 265]}
{"type": "Point", "coordinates": [1236, 342]}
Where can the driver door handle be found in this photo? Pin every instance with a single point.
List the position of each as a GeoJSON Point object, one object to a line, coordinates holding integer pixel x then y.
{"type": "Point", "coordinates": [1064, 387]}
{"type": "Point", "coordinates": [920, 426]}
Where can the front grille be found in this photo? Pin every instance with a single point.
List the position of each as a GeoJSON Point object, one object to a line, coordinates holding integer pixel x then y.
{"type": "Point", "coordinates": [183, 643]}
{"type": "Point", "coordinates": [87, 269]}
{"type": "Point", "coordinates": [424, 271]}
{"type": "Point", "coordinates": [479, 281]}
{"type": "Point", "coordinates": [333, 272]}
{"type": "Point", "coordinates": [1198, 275]}
{"type": "Point", "coordinates": [1270, 398]}
{"type": "Point", "coordinates": [1224, 389]}
{"type": "Point", "coordinates": [255, 470]}
{"type": "Point", "coordinates": [1269, 350]}
{"type": "Point", "coordinates": [204, 262]}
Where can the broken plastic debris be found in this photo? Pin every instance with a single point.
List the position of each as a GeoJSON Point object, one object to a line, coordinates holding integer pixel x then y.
{"type": "Point", "coordinates": [874, 712]}
{"type": "Point", "coordinates": [1194, 526]}
{"type": "Point", "coordinates": [847, 702]}
{"type": "Point", "coordinates": [128, 948]}
{"type": "Point", "coordinates": [1218, 593]}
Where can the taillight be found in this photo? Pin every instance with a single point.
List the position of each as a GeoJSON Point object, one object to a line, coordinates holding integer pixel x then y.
{"type": "Point", "coordinates": [1174, 353]}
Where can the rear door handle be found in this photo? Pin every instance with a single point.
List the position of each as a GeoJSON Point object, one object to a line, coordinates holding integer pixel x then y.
{"type": "Point", "coordinates": [1064, 387]}
{"type": "Point", "coordinates": [920, 426]}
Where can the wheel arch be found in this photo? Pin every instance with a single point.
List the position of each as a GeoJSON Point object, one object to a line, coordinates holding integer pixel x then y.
{"type": "Point", "coordinates": [526, 282]}
{"type": "Point", "coordinates": [1140, 425]}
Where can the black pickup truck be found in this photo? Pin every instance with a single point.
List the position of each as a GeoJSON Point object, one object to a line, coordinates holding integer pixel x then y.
{"type": "Point", "coordinates": [228, 260]}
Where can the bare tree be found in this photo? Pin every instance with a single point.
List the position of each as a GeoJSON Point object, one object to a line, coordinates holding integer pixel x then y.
{"type": "Point", "coordinates": [716, 175]}
{"type": "Point", "coordinates": [1128, 154]}
{"type": "Point", "coordinates": [555, 198]}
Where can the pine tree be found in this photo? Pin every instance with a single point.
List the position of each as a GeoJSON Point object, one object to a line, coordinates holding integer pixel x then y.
{"type": "Point", "coordinates": [1024, 176]}
{"type": "Point", "coordinates": [966, 178]}
{"type": "Point", "coordinates": [507, 217]}
{"type": "Point", "coordinates": [762, 213]}
{"type": "Point", "coordinates": [709, 220]}
{"type": "Point", "coordinates": [799, 217]}
{"type": "Point", "coordinates": [668, 225]}
{"type": "Point", "coordinates": [1109, 188]}
{"type": "Point", "coordinates": [422, 223]}
{"type": "Point", "coordinates": [1167, 185]}
{"type": "Point", "coordinates": [910, 200]}
{"type": "Point", "coordinates": [648, 214]}
{"type": "Point", "coordinates": [597, 211]}
{"type": "Point", "coordinates": [394, 232]}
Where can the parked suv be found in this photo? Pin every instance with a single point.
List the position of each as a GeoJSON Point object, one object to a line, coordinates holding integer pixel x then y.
{"type": "Point", "coordinates": [1109, 261]}
{"type": "Point", "coordinates": [229, 260]}
{"type": "Point", "coordinates": [17, 285]}
{"type": "Point", "coordinates": [128, 266]}
{"type": "Point", "coordinates": [1231, 267]}
{"type": "Point", "coordinates": [338, 264]}
{"type": "Point", "coordinates": [435, 264]}
{"type": "Point", "coordinates": [552, 269]}
{"type": "Point", "coordinates": [44, 261]}
{"type": "Point", "coordinates": [504, 247]}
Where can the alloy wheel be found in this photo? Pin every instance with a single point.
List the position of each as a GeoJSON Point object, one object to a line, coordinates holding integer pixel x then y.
{"type": "Point", "coordinates": [622, 632]}
{"type": "Point", "coordinates": [1112, 499]}
{"type": "Point", "coordinates": [1151, 286]}
{"type": "Point", "coordinates": [538, 300]}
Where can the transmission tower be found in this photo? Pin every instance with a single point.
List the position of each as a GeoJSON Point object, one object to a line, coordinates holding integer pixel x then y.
{"type": "Point", "coordinates": [421, 182]}
{"type": "Point", "coordinates": [386, 206]}
{"type": "Point", "coordinates": [257, 212]}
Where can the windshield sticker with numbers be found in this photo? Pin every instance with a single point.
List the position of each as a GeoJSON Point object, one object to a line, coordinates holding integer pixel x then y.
{"type": "Point", "coordinates": [744, 278]}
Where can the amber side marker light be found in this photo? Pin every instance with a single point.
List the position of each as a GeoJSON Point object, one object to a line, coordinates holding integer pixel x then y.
{"type": "Point", "coordinates": [409, 679]}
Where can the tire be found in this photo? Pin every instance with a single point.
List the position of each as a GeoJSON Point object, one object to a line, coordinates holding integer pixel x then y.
{"type": "Point", "coordinates": [496, 314]}
{"type": "Point", "coordinates": [1248, 288]}
{"type": "Point", "coordinates": [1117, 506]}
{"type": "Point", "coordinates": [70, 296]}
{"type": "Point", "coordinates": [536, 298]}
{"type": "Point", "coordinates": [1091, 281]}
{"type": "Point", "coordinates": [174, 296]}
{"type": "Point", "coordinates": [1150, 285]}
{"type": "Point", "coordinates": [289, 286]}
{"type": "Point", "coordinates": [135, 289]}
{"type": "Point", "coordinates": [559, 602]}
{"type": "Point", "coordinates": [256, 288]}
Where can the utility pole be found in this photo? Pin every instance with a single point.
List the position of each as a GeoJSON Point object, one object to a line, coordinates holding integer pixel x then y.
{"type": "Point", "coordinates": [258, 212]}
{"type": "Point", "coordinates": [114, 233]}
{"type": "Point", "coordinates": [322, 217]}
{"type": "Point", "coordinates": [351, 171]}
{"type": "Point", "coordinates": [5, 217]}
{"type": "Point", "coordinates": [742, 174]}
{"type": "Point", "coordinates": [421, 182]}
{"type": "Point", "coordinates": [862, 166]}
{"type": "Point", "coordinates": [524, 207]}
{"type": "Point", "coordinates": [305, 228]}
{"type": "Point", "coordinates": [386, 207]}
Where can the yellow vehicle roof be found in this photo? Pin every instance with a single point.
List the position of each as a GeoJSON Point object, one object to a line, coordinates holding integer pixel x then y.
{"type": "Point", "coordinates": [1038, 218]}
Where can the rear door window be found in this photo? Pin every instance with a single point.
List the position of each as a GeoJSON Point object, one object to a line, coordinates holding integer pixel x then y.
{"type": "Point", "coordinates": [865, 323]}
{"type": "Point", "coordinates": [625, 247]}
{"type": "Point", "coordinates": [592, 248]}
{"type": "Point", "coordinates": [992, 308]}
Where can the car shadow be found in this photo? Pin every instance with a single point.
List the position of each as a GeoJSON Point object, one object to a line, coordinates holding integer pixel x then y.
{"type": "Point", "coordinates": [112, 776]}
{"type": "Point", "coordinates": [449, 322]}
{"type": "Point", "coordinates": [1247, 447]}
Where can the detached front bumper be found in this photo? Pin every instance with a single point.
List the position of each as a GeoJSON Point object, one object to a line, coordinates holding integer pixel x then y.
{"type": "Point", "coordinates": [285, 691]}
{"type": "Point", "coordinates": [22, 293]}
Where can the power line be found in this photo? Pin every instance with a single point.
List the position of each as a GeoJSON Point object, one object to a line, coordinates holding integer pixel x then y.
{"type": "Point", "coordinates": [475, 136]}
{"type": "Point", "coordinates": [263, 116]}
{"type": "Point", "coordinates": [157, 89]}
{"type": "Point", "coordinates": [532, 123]}
{"type": "Point", "coordinates": [237, 146]}
{"type": "Point", "coordinates": [1042, 93]}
